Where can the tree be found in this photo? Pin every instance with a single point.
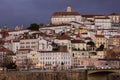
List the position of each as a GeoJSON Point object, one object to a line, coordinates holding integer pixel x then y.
{"type": "Point", "coordinates": [33, 26]}
{"type": "Point", "coordinates": [5, 60]}
{"type": "Point", "coordinates": [11, 66]}
{"type": "Point", "coordinates": [92, 44]}
{"type": "Point", "coordinates": [101, 48]}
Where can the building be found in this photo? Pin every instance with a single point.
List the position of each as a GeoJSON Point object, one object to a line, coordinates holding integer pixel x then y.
{"type": "Point", "coordinates": [45, 45]}
{"type": "Point", "coordinates": [15, 45]}
{"type": "Point", "coordinates": [65, 17]}
{"type": "Point", "coordinates": [54, 60]}
{"type": "Point", "coordinates": [114, 40]}
{"type": "Point", "coordinates": [115, 18]}
{"type": "Point", "coordinates": [29, 43]}
{"type": "Point", "coordinates": [78, 45]}
{"type": "Point", "coordinates": [100, 40]}
{"type": "Point", "coordinates": [21, 58]}
{"type": "Point", "coordinates": [103, 22]}
{"type": "Point", "coordinates": [56, 28]}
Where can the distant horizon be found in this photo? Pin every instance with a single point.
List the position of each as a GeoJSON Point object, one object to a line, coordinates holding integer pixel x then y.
{"type": "Point", "coordinates": [25, 12]}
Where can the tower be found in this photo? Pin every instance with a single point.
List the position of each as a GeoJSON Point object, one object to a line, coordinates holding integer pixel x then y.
{"type": "Point", "coordinates": [69, 9]}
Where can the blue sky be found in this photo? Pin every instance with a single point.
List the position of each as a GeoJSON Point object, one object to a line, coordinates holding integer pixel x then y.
{"type": "Point", "coordinates": [25, 12]}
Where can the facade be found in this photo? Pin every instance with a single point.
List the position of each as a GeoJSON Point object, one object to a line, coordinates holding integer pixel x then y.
{"type": "Point", "coordinates": [65, 17]}
{"type": "Point", "coordinates": [33, 57]}
{"type": "Point", "coordinates": [29, 43]}
{"type": "Point", "coordinates": [107, 32]}
{"type": "Point", "coordinates": [52, 59]}
{"type": "Point", "coordinates": [56, 28]}
{"type": "Point", "coordinates": [100, 40]}
{"type": "Point", "coordinates": [115, 41]}
{"type": "Point", "coordinates": [103, 22]}
{"type": "Point", "coordinates": [18, 32]}
{"type": "Point", "coordinates": [115, 18]}
{"type": "Point", "coordinates": [45, 45]}
{"type": "Point", "coordinates": [109, 63]}
{"type": "Point", "coordinates": [21, 58]}
{"type": "Point", "coordinates": [15, 46]}
{"type": "Point", "coordinates": [71, 40]}
{"type": "Point", "coordinates": [78, 45]}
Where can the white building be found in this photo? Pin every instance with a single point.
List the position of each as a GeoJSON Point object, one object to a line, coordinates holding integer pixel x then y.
{"type": "Point", "coordinates": [53, 59]}
{"type": "Point", "coordinates": [21, 58]}
{"type": "Point", "coordinates": [44, 45]}
{"type": "Point", "coordinates": [103, 22]}
{"type": "Point", "coordinates": [65, 17]}
{"type": "Point", "coordinates": [115, 18]}
{"type": "Point", "coordinates": [15, 46]}
{"type": "Point", "coordinates": [18, 32]}
{"type": "Point", "coordinates": [29, 43]}
{"type": "Point", "coordinates": [78, 45]}
{"type": "Point", "coordinates": [57, 28]}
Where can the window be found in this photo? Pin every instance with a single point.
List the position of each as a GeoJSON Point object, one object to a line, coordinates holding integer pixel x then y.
{"type": "Point", "coordinates": [27, 42]}
{"type": "Point", "coordinates": [32, 42]}
{"type": "Point", "coordinates": [27, 46]}
{"type": "Point", "coordinates": [82, 53]}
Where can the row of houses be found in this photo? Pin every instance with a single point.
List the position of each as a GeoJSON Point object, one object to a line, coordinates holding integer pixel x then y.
{"type": "Point", "coordinates": [71, 40]}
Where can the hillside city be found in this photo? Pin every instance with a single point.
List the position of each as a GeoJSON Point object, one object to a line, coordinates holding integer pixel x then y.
{"type": "Point", "coordinates": [70, 41]}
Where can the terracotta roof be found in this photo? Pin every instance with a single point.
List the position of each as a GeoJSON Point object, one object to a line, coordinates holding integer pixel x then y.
{"type": "Point", "coordinates": [63, 37]}
{"type": "Point", "coordinates": [109, 59]}
{"type": "Point", "coordinates": [24, 49]}
{"type": "Point", "coordinates": [88, 16]}
{"type": "Point", "coordinates": [77, 35]}
{"type": "Point", "coordinates": [92, 15]}
{"type": "Point", "coordinates": [87, 38]}
{"type": "Point", "coordinates": [101, 17]}
{"type": "Point", "coordinates": [116, 36]}
{"type": "Point", "coordinates": [65, 13]}
{"type": "Point", "coordinates": [77, 41]}
{"type": "Point", "coordinates": [7, 51]}
{"type": "Point", "coordinates": [114, 14]}
{"type": "Point", "coordinates": [50, 51]}
{"type": "Point", "coordinates": [108, 29]}
{"type": "Point", "coordinates": [52, 25]}
{"type": "Point", "coordinates": [101, 36]}
{"type": "Point", "coordinates": [16, 40]}
{"type": "Point", "coordinates": [4, 34]}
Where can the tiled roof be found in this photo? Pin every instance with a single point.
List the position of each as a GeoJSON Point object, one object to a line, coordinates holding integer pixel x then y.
{"type": "Point", "coordinates": [87, 38]}
{"type": "Point", "coordinates": [89, 16]}
{"type": "Point", "coordinates": [77, 41]}
{"type": "Point", "coordinates": [65, 13]}
{"type": "Point", "coordinates": [114, 14]}
{"type": "Point", "coordinates": [101, 36]}
{"type": "Point", "coordinates": [52, 25]}
{"type": "Point", "coordinates": [24, 49]}
{"type": "Point", "coordinates": [50, 51]}
{"type": "Point", "coordinates": [63, 37]}
{"type": "Point", "coordinates": [7, 51]}
{"type": "Point", "coordinates": [116, 36]}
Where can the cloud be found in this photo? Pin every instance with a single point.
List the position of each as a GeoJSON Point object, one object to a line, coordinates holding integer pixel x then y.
{"type": "Point", "coordinates": [15, 12]}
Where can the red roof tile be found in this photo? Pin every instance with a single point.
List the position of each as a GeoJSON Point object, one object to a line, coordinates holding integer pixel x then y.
{"type": "Point", "coordinates": [65, 13]}
{"type": "Point", "coordinates": [101, 36]}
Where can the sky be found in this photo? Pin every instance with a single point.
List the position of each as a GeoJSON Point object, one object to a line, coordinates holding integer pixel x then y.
{"type": "Point", "coordinates": [25, 12]}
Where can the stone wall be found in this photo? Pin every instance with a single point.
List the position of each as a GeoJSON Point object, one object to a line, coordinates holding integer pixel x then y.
{"type": "Point", "coordinates": [42, 76]}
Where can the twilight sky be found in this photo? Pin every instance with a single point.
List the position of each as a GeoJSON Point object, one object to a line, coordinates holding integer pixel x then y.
{"type": "Point", "coordinates": [25, 12]}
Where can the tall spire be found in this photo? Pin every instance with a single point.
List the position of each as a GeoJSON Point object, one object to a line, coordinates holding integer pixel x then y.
{"type": "Point", "coordinates": [69, 9]}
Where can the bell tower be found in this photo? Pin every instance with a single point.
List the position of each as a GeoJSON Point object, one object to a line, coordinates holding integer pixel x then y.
{"type": "Point", "coordinates": [69, 9]}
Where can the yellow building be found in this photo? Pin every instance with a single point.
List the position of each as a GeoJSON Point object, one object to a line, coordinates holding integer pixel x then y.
{"type": "Point", "coordinates": [80, 31]}
{"type": "Point", "coordinates": [100, 40]}
{"type": "Point", "coordinates": [116, 40]}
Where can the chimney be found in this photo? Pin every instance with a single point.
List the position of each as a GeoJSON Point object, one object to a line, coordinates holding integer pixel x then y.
{"type": "Point", "coordinates": [69, 9]}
